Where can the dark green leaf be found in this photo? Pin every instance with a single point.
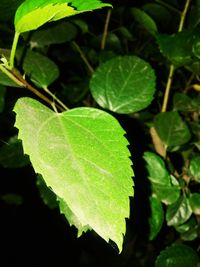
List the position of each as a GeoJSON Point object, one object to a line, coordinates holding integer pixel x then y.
{"type": "Point", "coordinates": [183, 102]}
{"type": "Point", "coordinates": [156, 218]}
{"type": "Point", "coordinates": [12, 199]}
{"type": "Point", "coordinates": [5, 80]}
{"type": "Point", "coordinates": [195, 168]}
{"type": "Point", "coordinates": [12, 155]}
{"type": "Point", "coordinates": [178, 212]}
{"type": "Point", "coordinates": [177, 255]}
{"type": "Point", "coordinates": [178, 47]}
{"type": "Point", "coordinates": [123, 84]}
{"type": "Point", "coordinates": [172, 129]}
{"type": "Point", "coordinates": [8, 8]}
{"type": "Point", "coordinates": [83, 156]}
{"type": "Point", "coordinates": [56, 34]}
{"type": "Point", "coordinates": [2, 97]}
{"type": "Point", "coordinates": [40, 69]}
{"type": "Point", "coordinates": [144, 20]}
{"type": "Point", "coordinates": [166, 194]}
{"type": "Point", "coordinates": [188, 225]}
{"type": "Point", "coordinates": [195, 203]}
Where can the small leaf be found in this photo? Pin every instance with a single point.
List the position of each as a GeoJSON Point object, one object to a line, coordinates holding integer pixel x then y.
{"type": "Point", "coordinates": [156, 218]}
{"type": "Point", "coordinates": [178, 47]}
{"type": "Point", "coordinates": [123, 84]}
{"type": "Point", "coordinates": [177, 255]}
{"type": "Point", "coordinates": [2, 97]}
{"type": "Point", "coordinates": [33, 14]}
{"type": "Point", "coordinates": [144, 20]}
{"type": "Point", "coordinates": [40, 69]}
{"type": "Point", "coordinates": [183, 102]}
{"type": "Point", "coordinates": [166, 194]}
{"type": "Point", "coordinates": [172, 129]}
{"type": "Point", "coordinates": [194, 168]}
{"type": "Point", "coordinates": [195, 203]}
{"type": "Point", "coordinates": [12, 155]}
{"type": "Point", "coordinates": [83, 156]}
{"type": "Point", "coordinates": [178, 212]}
{"type": "Point", "coordinates": [56, 34]}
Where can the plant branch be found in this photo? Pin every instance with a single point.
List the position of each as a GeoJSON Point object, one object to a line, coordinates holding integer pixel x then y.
{"type": "Point", "coordinates": [13, 49]}
{"type": "Point", "coordinates": [172, 67]}
{"type": "Point", "coordinates": [55, 98]}
{"type": "Point", "coordinates": [11, 76]}
{"type": "Point", "coordinates": [84, 58]}
{"type": "Point", "coordinates": [25, 84]}
{"type": "Point", "coordinates": [105, 32]}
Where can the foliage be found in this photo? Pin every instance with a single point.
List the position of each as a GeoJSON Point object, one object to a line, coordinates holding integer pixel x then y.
{"type": "Point", "coordinates": [116, 90]}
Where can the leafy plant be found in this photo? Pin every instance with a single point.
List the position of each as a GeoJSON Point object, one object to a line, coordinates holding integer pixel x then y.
{"type": "Point", "coordinates": [142, 68]}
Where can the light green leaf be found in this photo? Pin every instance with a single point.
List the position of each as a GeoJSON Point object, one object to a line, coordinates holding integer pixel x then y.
{"type": "Point", "coordinates": [83, 156]}
{"type": "Point", "coordinates": [56, 34]}
{"type": "Point", "coordinates": [177, 255]}
{"type": "Point", "coordinates": [195, 168]}
{"type": "Point", "coordinates": [144, 20]}
{"type": "Point", "coordinates": [33, 14]}
{"type": "Point", "coordinates": [123, 84]}
{"type": "Point", "coordinates": [195, 203]}
{"type": "Point", "coordinates": [178, 212]}
{"type": "Point", "coordinates": [12, 155]}
{"type": "Point", "coordinates": [40, 69]}
{"type": "Point", "coordinates": [2, 97]}
{"type": "Point", "coordinates": [172, 129]}
{"type": "Point", "coordinates": [72, 218]}
{"type": "Point", "coordinates": [157, 217]}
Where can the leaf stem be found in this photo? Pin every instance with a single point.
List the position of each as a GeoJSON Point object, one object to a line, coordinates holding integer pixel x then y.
{"type": "Point", "coordinates": [13, 49]}
{"type": "Point", "coordinates": [105, 32]}
{"type": "Point", "coordinates": [87, 63]}
{"type": "Point", "coordinates": [172, 67]}
{"type": "Point", "coordinates": [55, 98]}
{"type": "Point", "coordinates": [11, 76]}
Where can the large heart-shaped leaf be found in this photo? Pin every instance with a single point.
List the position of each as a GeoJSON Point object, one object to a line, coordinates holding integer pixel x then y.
{"type": "Point", "coordinates": [33, 14]}
{"type": "Point", "coordinates": [83, 156]}
{"type": "Point", "coordinates": [123, 84]}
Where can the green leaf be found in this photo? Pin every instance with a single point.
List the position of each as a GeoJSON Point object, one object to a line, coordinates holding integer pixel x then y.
{"type": "Point", "coordinates": [123, 84]}
{"type": "Point", "coordinates": [56, 34]}
{"type": "Point", "coordinates": [178, 48]}
{"type": "Point", "coordinates": [33, 14]}
{"type": "Point", "coordinates": [157, 217]}
{"type": "Point", "coordinates": [195, 203]}
{"type": "Point", "coordinates": [83, 156]}
{"type": "Point", "coordinates": [189, 230]}
{"type": "Point", "coordinates": [183, 102]}
{"type": "Point", "coordinates": [47, 195]}
{"type": "Point", "coordinates": [166, 194]}
{"type": "Point", "coordinates": [40, 69]}
{"type": "Point", "coordinates": [5, 80]}
{"type": "Point", "coordinates": [144, 20]}
{"type": "Point", "coordinates": [194, 168]}
{"type": "Point", "coordinates": [178, 212]}
{"type": "Point", "coordinates": [177, 255]}
{"type": "Point", "coordinates": [172, 129]}
{"type": "Point", "coordinates": [156, 169]}
{"type": "Point", "coordinates": [2, 97]}
{"type": "Point", "coordinates": [12, 155]}
{"type": "Point", "coordinates": [72, 218]}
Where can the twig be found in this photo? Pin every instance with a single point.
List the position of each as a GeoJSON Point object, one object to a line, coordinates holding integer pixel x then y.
{"type": "Point", "coordinates": [159, 146]}
{"type": "Point", "coordinates": [11, 76]}
{"type": "Point", "coordinates": [55, 98]}
{"type": "Point", "coordinates": [105, 32]}
{"type": "Point", "coordinates": [87, 63]}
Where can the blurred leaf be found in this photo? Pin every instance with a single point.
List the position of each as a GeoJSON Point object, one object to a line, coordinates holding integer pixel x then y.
{"type": "Point", "coordinates": [8, 8]}
{"type": "Point", "coordinates": [156, 218]}
{"type": "Point", "coordinates": [183, 102]}
{"type": "Point", "coordinates": [40, 69]}
{"type": "Point", "coordinates": [56, 34]}
{"type": "Point", "coordinates": [178, 47]}
{"type": "Point", "coordinates": [166, 194]}
{"type": "Point", "coordinates": [123, 84]}
{"type": "Point", "coordinates": [5, 80]}
{"type": "Point", "coordinates": [195, 203]}
{"type": "Point", "coordinates": [171, 128]}
{"type": "Point", "coordinates": [81, 24]}
{"type": "Point", "coordinates": [144, 20]}
{"type": "Point", "coordinates": [47, 195]}
{"type": "Point", "coordinates": [178, 212]}
{"type": "Point", "coordinates": [81, 152]}
{"type": "Point", "coordinates": [177, 255]}
{"type": "Point", "coordinates": [33, 14]}
{"type": "Point", "coordinates": [12, 199]}
{"type": "Point", "coordinates": [72, 218]}
{"type": "Point", "coordinates": [182, 228]}
{"type": "Point", "coordinates": [189, 230]}
{"type": "Point", "coordinates": [194, 168]}
{"type": "Point", "coordinates": [12, 155]}
{"type": "Point", "coordinates": [2, 97]}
